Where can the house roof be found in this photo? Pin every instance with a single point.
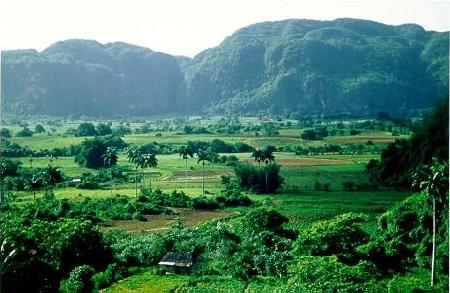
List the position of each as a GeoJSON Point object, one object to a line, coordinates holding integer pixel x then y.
{"type": "Point", "coordinates": [177, 259]}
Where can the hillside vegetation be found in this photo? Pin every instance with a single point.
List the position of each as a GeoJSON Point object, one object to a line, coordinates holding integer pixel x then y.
{"type": "Point", "coordinates": [291, 67]}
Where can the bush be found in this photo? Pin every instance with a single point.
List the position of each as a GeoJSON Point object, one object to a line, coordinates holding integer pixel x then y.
{"type": "Point", "coordinates": [204, 203]}
{"type": "Point", "coordinates": [79, 280]}
{"type": "Point", "coordinates": [354, 132]}
{"type": "Point", "coordinates": [91, 154]}
{"type": "Point", "coordinates": [136, 250]}
{"type": "Point", "coordinates": [121, 131]}
{"type": "Point", "coordinates": [61, 246]}
{"type": "Point", "coordinates": [327, 274]}
{"type": "Point", "coordinates": [175, 199]}
{"type": "Point", "coordinates": [253, 178]}
{"type": "Point", "coordinates": [416, 281]}
{"type": "Point", "coordinates": [233, 198]}
{"type": "Point", "coordinates": [309, 134]}
{"type": "Point", "coordinates": [348, 185]}
{"type": "Point", "coordinates": [5, 133]}
{"type": "Point", "coordinates": [86, 129]}
{"type": "Point", "coordinates": [25, 132]}
{"type": "Point", "coordinates": [339, 236]}
{"type": "Point", "coordinates": [106, 278]}
{"type": "Point", "coordinates": [103, 129]}
{"type": "Point", "coordinates": [88, 181]}
{"type": "Point", "coordinates": [404, 237]}
{"type": "Point", "coordinates": [39, 128]}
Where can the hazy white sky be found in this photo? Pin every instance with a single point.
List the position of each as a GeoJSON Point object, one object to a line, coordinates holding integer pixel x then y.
{"type": "Point", "coordinates": [186, 27]}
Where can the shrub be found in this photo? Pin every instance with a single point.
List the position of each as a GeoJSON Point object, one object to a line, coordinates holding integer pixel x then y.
{"type": "Point", "coordinates": [327, 274]}
{"type": "Point", "coordinates": [136, 250]}
{"type": "Point", "coordinates": [5, 133]}
{"type": "Point", "coordinates": [339, 236]}
{"type": "Point", "coordinates": [106, 278]}
{"type": "Point", "coordinates": [103, 129]}
{"type": "Point", "coordinates": [62, 245]}
{"type": "Point", "coordinates": [253, 178]}
{"type": "Point", "coordinates": [88, 181]}
{"type": "Point", "coordinates": [204, 203]}
{"type": "Point", "coordinates": [79, 280]}
{"type": "Point", "coordinates": [25, 132]}
{"type": "Point", "coordinates": [91, 154]}
{"type": "Point", "coordinates": [39, 128]}
{"type": "Point", "coordinates": [86, 129]}
{"type": "Point", "coordinates": [354, 132]}
{"type": "Point", "coordinates": [309, 134]}
{"type": "Point", "coordinates": [348, 185]}
{"type": "Point", "coordinates": [175, 199]}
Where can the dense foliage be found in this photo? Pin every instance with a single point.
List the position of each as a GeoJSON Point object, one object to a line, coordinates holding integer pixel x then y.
{"type": "Point", "coordinates": [265, 179]}
{"type": "Point", "coordinates": [400, 159]}
{"type": "Point", "coordinates": [43, 257]}
{"type": "Point", "coordinates": [91, 154]}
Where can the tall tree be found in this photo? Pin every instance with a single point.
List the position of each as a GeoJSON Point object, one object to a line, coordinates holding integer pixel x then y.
{"type": "Point", "coordinates": [110, 159]}
{"type": "Point", "coordinates": [134, 155]}
{"type": "Point", "coordinates": [91, 153]}
{"type": "Point", "coordinates": [267, 157]}
{"type": "Point", "coordinates": [257, 155]}
{"type": "Point", "coordinates": [185, 153]}
{"type": "Point", "coordinates": [433, 181]}
{"type": "Point", "coordinates": [51, 175]}
{"type": "Point", "coordinates": [203, 156]}
{"type": "Point", "coordinates": [148, 161]}
{"type": "Point", "coordinates": [34, 183]}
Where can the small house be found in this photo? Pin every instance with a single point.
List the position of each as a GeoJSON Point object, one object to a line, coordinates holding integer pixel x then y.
{"type": "Point", "coordinates": [179, 263]}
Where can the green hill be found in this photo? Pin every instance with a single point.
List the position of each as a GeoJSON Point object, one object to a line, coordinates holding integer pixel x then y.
{"type": "Point", "coordinates": [80, 77]}
{"type": "Point", "coordinates": [296, 67]}
{"type": "Point", "coordinates": [324, 67]}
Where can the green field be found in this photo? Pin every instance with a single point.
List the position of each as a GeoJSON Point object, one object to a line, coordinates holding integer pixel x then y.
{"type": "Point", "coordinates": [300, 172]}
{"type": "Point", "coordinates": [300, 199]}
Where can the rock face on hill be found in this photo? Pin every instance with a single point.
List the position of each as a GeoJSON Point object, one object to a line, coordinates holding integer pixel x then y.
{"type": "Point", "coordinates": [297, 67]}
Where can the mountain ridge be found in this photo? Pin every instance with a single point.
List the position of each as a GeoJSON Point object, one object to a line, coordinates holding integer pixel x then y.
{"type": "Point", "coordinates": [294, 67]}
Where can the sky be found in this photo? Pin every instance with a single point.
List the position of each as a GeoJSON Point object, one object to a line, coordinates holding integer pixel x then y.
{"type": "Point", "coordinates": [186, 27]}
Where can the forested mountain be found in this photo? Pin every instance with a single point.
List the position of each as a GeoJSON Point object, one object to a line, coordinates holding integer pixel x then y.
{"type": "Point", "coordinates": [345, 65]}
{"type": "Point", "coordinates": [298, 67]}
{"type": "Point", "coordinates": [84, 77]}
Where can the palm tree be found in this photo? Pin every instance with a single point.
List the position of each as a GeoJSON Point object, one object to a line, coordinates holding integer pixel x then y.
{"type": "Point", "coordinates": [258, 156]}
{"type": "Point", "coordinates": [267, 157]}
{"type": "Point", "coordinates": [2, 175]}
{"type": "Point", "coordinates": [203, 156]}
{"type": "Point", "coordinates": [110, 159]}
{"type": "Point", "coordinates": [31, 161]}
{"type": "Point", "coordinates": [34, 183]}
{"type": "Point", "coordinates": [146, 161]}
{"type": "Point", "coordinates": [50, 176]}
{"type": "Point", "coordinates": [185, 153]}
{"type": "Point", "coordinates": [433, 181]}
{"type": "Point", "coordinates": [134, 156]}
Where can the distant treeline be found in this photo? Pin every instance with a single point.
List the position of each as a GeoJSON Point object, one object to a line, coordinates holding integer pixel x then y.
{"type": "Point", "coordinates": [15, 150]}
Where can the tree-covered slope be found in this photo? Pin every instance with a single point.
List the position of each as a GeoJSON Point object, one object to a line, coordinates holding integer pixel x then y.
{"type": "Point", "coordinates": [298, 67]}
{"type": "Point", "coordinates": [83, 77]}
{"type": "Point", "coordinates": [329, 67]}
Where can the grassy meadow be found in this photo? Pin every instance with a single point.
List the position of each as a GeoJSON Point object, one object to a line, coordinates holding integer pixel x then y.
{"type": "Point", "coordinates": [300, 201]}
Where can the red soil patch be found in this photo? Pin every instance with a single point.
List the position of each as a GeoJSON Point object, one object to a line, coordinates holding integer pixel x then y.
{"type": "Point", "coordinates": [163, 222]}
{"type": "Point", "coordinates": [363, 140]}
{"type": "Point", "coordinates": [307, 162]}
